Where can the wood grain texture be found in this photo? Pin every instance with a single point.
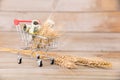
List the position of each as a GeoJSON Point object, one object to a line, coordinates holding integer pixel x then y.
{"type": "Point", "coordinates": [89, 28]}
{"type": "Point", "coordinates": [80, 16]}
{"type": "Point", "coordinates": [9, 69]}
{"type": "Point", "coordinates": [73, 41]}
{"type": "Point", "coordinates": [74, 22]}
{"type": "Point", "coordinates": [26, 5]}
{"type": "Point", "coordinates": [58, 5]}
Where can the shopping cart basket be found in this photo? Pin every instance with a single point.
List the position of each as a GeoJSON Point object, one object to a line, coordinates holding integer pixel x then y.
{"type": "Point", "coordinates": [26, 30]}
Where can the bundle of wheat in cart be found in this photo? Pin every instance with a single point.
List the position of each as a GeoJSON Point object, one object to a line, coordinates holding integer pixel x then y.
{"type": "Point", "coordinates": [37, 37]}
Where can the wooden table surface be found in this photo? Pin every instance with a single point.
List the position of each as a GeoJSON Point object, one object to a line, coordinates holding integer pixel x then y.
{"type": "Point", "coordinates": [92, 28]}
{"type": "Point", "coordinates": [10, 70]}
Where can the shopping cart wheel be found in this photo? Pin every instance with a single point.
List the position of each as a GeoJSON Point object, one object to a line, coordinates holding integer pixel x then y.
{"type": "Point", "coordinates": [40, 64]}
{"type": "Point", "coordinates": [19, 60]}
{"type": "Point", "coordinates": [52, 61]}
{"type": "Point", "coordinates": [38, 57]}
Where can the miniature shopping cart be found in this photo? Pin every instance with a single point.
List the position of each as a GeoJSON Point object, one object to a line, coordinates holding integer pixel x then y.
{"type": "Point", "coordinates": [27, 32]}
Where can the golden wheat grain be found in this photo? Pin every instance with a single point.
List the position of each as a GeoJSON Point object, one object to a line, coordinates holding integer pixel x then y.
{"type": "Point", "coordinates": [67, 61]}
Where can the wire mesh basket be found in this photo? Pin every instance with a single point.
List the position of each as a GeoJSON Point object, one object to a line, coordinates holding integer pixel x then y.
{"type": "Point", "coordinates": [27, 32]}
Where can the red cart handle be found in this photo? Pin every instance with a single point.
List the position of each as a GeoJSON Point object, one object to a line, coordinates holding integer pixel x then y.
{"type": "Point", "coordinates": [16, 21]}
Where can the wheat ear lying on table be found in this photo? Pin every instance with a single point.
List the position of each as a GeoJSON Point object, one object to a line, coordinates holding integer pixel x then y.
{"type": "Point", "coordinates": [67, 61]}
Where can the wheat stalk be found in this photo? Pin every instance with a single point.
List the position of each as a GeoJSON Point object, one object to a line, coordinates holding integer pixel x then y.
{"type": "Point", "coordinates": [67, 61]}
{"type": "Point", "coordinates": [47, 32]}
